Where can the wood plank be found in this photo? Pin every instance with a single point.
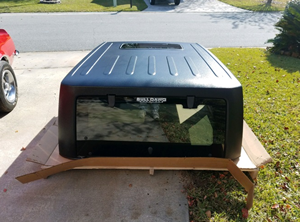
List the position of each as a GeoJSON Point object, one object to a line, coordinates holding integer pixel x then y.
{"type": "Point", "coordinates": [161, 163]}
{"type": "Point", "coordinates": [165, 163]}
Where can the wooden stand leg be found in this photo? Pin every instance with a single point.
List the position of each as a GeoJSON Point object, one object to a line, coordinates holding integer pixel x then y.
{"type": "Point", "coordinates": [253, 174]}
{"type": "Point", "coordinates": [151, 171]}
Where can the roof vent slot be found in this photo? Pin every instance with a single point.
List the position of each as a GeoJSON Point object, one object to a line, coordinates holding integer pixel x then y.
{"type": "Point", "coordinates": [150, 46]}
{"type": "Point", "coordinates": [151, 65]}
{"type": "Point", "coordinates": [172, 66]}
{"type": "Point", "coordinates": [131, 65]}
{"type": "Point", "coordinates": [111, 65]}
{"type": "Point", "coordinates": [192, 66]}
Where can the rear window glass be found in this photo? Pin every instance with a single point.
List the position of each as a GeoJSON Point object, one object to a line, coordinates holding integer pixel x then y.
{"type": "Point", "coordinates": [146, 119]}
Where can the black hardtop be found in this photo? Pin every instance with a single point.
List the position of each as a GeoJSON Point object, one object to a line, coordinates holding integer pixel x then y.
{"type": "Point", "coordinates": [151, 64]}
{"type": "Point", "coordinates": [174, 71]}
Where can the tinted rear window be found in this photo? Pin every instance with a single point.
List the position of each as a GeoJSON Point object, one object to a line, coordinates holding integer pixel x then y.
{"type": "Point", "coordinates": [158, 120]}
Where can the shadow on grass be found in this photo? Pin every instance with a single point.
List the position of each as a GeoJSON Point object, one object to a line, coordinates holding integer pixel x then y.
{"type": "Point", "coordinates": [263, 8]}
{"type": "Point", "coordinates": [287, 63]}
{"type": "Point", "coordinates": [17, 4]}
{"type": "Point", "coordinates": [139, 4]}
{"type": "Point", "coordinates": [258, 5]}
{"type": "Point", "coordinates": [216, 192]}
{"type": "Point", "coordinates": [17, 1]}
{"type": "Point", "coordinates": [71, 5]}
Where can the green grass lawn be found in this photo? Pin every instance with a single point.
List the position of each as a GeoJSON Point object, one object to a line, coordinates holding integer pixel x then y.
{"type": "Point", "coordinates": [19, 6]}
{"type": "Point", "coordinates": [271, 86]}
{"type": "Point", "coordinates": [258, 5]}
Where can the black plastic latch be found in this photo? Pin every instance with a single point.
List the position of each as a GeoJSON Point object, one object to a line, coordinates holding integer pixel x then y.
{"type": "Point", "coordinates": [190, 102]}
{"type": "Point", "coordinates": [111, 100]}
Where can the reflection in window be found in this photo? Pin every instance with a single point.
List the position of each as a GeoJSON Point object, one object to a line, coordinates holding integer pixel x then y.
{"type": "Point", "coordinates": [136, 120]}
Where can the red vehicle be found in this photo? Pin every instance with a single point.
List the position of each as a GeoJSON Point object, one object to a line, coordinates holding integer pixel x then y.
{"type": "Point", "coordinates": [8, 82]}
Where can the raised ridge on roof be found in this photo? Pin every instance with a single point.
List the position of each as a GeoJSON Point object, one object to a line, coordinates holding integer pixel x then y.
{"type": "Point", "coordinates": [152, 63]}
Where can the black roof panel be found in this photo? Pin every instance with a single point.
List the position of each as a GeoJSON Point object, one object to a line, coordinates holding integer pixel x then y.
{"type": "Point", "coordinates": [151, 64]}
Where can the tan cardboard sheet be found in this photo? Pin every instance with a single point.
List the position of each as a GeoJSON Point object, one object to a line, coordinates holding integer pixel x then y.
{"type": "Point", "coordinates": [256, 152]}
{"type": "Point", "coordinates": [253, 154]}
{"type": "Point", "coordinates": [46, 154]}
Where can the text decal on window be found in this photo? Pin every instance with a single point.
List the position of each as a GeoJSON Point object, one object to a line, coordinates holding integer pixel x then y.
{"type": "Point", "coordinates": [151, 100]}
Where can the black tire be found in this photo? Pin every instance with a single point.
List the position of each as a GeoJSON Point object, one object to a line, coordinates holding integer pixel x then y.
{"type": "Point", "coordinates": [177, 2]}
{"type": "Point", "coordinates": [152, 2]}
{"type": "Point", "coordinates": [8, 88]}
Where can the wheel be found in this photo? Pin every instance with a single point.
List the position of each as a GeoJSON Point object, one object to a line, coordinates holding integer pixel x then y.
{"type": "Point", "coordinates": [152, 2]}
{"type": "Point", "coordinates": [9, 88]}
{"type": "Point", "coordinates": [177, 2]}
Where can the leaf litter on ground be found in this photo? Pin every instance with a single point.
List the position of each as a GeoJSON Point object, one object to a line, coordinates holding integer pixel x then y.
{"type": "Point", "coordinates": [272, 110]}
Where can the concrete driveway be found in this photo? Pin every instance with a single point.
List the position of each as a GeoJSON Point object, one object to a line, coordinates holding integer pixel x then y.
{"type": "Point", "coordinates": [76, 195]}
{"type": "Point", "coordinates": [190, 6]}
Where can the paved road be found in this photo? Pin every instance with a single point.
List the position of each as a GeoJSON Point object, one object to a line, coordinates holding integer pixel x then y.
{"type": "Point", "coordinates": [84, 31]}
